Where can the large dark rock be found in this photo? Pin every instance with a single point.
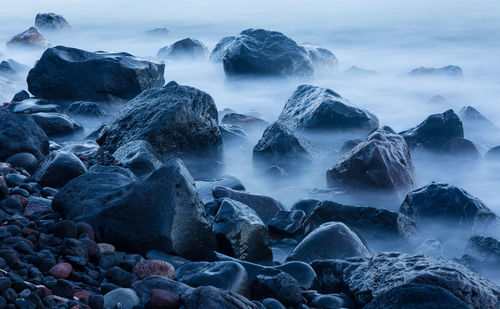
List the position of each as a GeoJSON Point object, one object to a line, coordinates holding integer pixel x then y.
{"type": "Point", "coordinates": [86, 109]}
{"type": "Point", "coordinates": [138, 156]}
{"type": "Point", "coordinates": [184, 49]}
{"type": "Point", "coordinates": [473, 118]}
{"type": "Point", "coordinates": [373, 224]}
{"type": "Point", "coordinates": [19, 133]}
{"type": "Point", "coordinates": [205, 187]}
{"type": "Point", "coordinates": [176, 120]}
{"type": "Point", "coordinates": [382, 163]}
{"type": "Point", "coordinates": [160, 211]}
{"type": "Point", "coordinates": [442, 203]}
{"type": "Point", "coordinates": [30, 38]}
{"type": "Point", "coordinates": [416, 296]}
{"type": "Point", "coordinates": [460, 148]}
{"type": "Point", "coordinates": [332, 240]}
{"type": "Point", "coordinates": [66, 73]}
{"type": "Point", "coordinates": [56, 124]}
{"type": "Point", "coordinates": [280, 146]}
{"type": "Point", "coordinates": [58, 169]}
{"type": "Point", "coordinates": [274, 283]}
{"type": "Point", "coordinates": [208, 297]}
{"type": "Point", "coordinates": [266, 207]}
{"type": "Point", "coordinates": [367, 278]}
{"type": "Point", "coordinates": [289, 223]}
{"type": "Point", "coordinates": [434, 131]}
{"type": "Point", "coordinates": [316, 108]}
{"type": "Point", "coordinates": [446, 71]}
{"type": "Point", "coordinates": [24, 160]}
{"type": "Point", "coordinates": [50, 21]}
{"type": "Point", "coordinates": [143, 288]}
{"type": "Point", "coordinates": [265, 53]}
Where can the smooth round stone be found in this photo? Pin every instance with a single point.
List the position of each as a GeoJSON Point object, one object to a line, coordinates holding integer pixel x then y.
{"type": "Point", "coordinates": [271, 303]}
{"type": "Point", "coordinates": [4, 191]}
{"type": "Point", "coordinates": [20, 192]}
{"type": "Point", "coordinates": [126, 297]}
{"type": "Point", "coordinates": [106, 248]}
{"type": "Point", "coordinates": [14, 180]}
{"type": "Point", "coordinates": [147, 268]}
{"type": "Point", "coordinates": [92, 247]}
{"type": "Point", "coordinates": [61, 270]}
{"type": "Point", "coordinates": [24, 160]}
{"type": "Point", "coordinates": [164, 299]}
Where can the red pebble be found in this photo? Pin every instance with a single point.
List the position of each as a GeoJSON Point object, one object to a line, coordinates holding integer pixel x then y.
{"type": "Point", "coordinates": [61, 270]}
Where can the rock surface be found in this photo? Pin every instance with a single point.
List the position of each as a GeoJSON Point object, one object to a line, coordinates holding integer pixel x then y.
{"type": "Point", "coordinates": [56, 124]}
{"type": "Point", "coordinates": [58, 169]}
{"type": "Point", "coordinates": [51, 21]}
{"type": "Point", "coordinates": [184, 49]}
{"type": "Point", "coordinates": [30, 38]}
{"type": "Point", "coordinates": [446, 71]}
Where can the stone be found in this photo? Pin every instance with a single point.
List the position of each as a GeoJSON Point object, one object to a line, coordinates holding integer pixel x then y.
{"type": "Point", "coordinates": [206, 297]}
{"type": "Point", "coordinates": [21, 96]}
{"type": "Point", "coordinates": [459, 147]}
{"type": "Point", "coordinates": [431, 247]}
{"type": "Point", "coordinates": [65, 73]}
{"type": "Point", "coordinates": [120, 277]}
{"type": "Point", "coordinates": [30, 38]}
{"type": "Point", "coordinates": [221, 48]}
{"type": "Point", "coordinates": [86, 109]}
{"type": "Point", "coordinates": [321, 109]}
{"type": "Point", "coordinates": [273, 283]}
{"type": "Point", "coordinates": [138, 156]}
{"type": "Point", "coordinates": [144, 287]}
{"type": "Point", "coordinates": [59, 168]}
{"type": "Point", "coordinates": [232, 134]}
{"type": "Point", "coordinates": [23, 160]}
{"type": "Point", "coordinates": [160, 31]}
{"type": "Point", "coordinates": [32, 106]}
{"type": "Point", "coordinates": [10, 69]}
{"type": "Point", "coordinates": [148, 268]}
{"type": "Point", "coordinates": [184, 49]}
{"type": "Point", "coordinates": [246, 122]}
{"type": "Point", "coordinates": [484, 250]}
{"type": "Point", "coordinates": [321, 58]}
{"type": "Point", "coordinates": [289, 223]}
{"type": "Point", "coordinates": [446, 71]}
{"type": "Point", "coordinates": [51, 21]}
{"type": "Point", "coordinates": [205, 187]}
{"type": "Point", "coordinates": [492, 153]}
{"type": "Point", "coordinates": [56, 124]}
{"type": "Point", "coordinates": [164, 299]}
{"type": "Point", "coordinates": [126, 297]}
{"type": "Point", "coordinates": [61, 270]}
{"type": "Point", "coordinates": [174, 260]}
{"type": "Point", "coordinates": [331, 240]}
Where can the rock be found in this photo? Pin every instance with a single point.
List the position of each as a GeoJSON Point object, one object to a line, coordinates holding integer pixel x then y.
{"type": "Point", "coordinates": [184, 49]}
{"type": "Point", "coordinates": [207, 297]}
{"type": "Point", "coordinates": [225, 275]}
{"type": "Point", "coordinates": [316, 108]}
{"type": "Point", "coordinates": [221, 48]}
{"type": "Point", "coordinates": [266, 207]}
{"type": "Point", "coordinates": [266, 53]}
{"type": "Point", "coordinates": [86, 149]}
{"type": "Point", "coordinates": [493, 153]}
{"type": "Point", "coordinates": [148, 268]}
{"type": "Point", "coordinates": [172, 215]}
{"type": "Point", "coordinates": [416, 296]}
{"type": "Point", "coordinates": [321, 58]}
{"type": "Point", "coordinates": [59, 168]}
{"type": "Point", "coordinates": [65, 73]}
{"type": "Point", "coordinates": [86, 109]}
{"type": "Point", "coordinates": [106, 248]}
{"type": "Point", "coordinates": [126, 297]}
{"type": "Point", "coordinates": [446, 71]}
{"type": "Point", "coordinates": [65, 229]}
{"type": "Point", "coordinates": [355, 70]}
{"type": "Point", "coordinates": [19, 133]}
{"type": "Point", "coordinates": [246, 122]}
{"type": "Point", "coordinates": [55, 124]}
{"type": "Point", "coordinates": [484, 250]}
{"type": "Point", "coordinates": [434, 131]}
{"type": "Point", "coordinates": [164, 299]}
{"type": "Point", "coordinates": [332, 240]}
{"type": "Point", "coordinates": [51, 21]}
{"type": "Point", "coordinates": [233, 134]}
{"type": "Point", "coordinates": [184, 116]}
{"type": "Point", "coordinates": [332, 301]}
{"type": "Point", "coordinates": [373, 224]}
{"type": "Point", "coordinates": [138, 156]}
{"type": "Point", "coordinates": [205, 187]}
{"type": "Point", "coordinates": [280, 146]}
{"type": "Point", "coordinates": [120, 277]}
{"type": "Point", "coordinates": [273, 283]}
{"type": "Point", "coordinates": [289, 223]}
{"type": "Point", "coordinates": [367, 278]}
{"type": "Point", "coordinates": [381, 163]}
{"type": "Point", "coordinates": [10, 69]}
{"type": "Point", "coordinates": [271, 303]}
{"type": "Point", "coordinates": [161, 31]}
{"type": "Point", "coordinates": [61, 270]}
{"type": "Point", "coordinates": [473, 118]}
{"type": "Point", "coordinates": [240, 232]}
{"type": "Point", "coordinates": [31, 106]}
{"type": "Point", "coordinates": [21, 96]}
{"type": "Point", "coordinates": [459, 147]}
{"type": "Point", "coordinates": [24, 160]}
{"type": "Point", "coordinates": [30, 38]}
{"type": "Point", "coordinates": [431, 247]}
{"type": "Point", "coordinates": [349, 145]}
{"type": "Point", "coordinates": [144, 287]}
{"type": "Point", "coordinates": [174, 260]}
{"type": "Point", "coordinates": [444, 204]}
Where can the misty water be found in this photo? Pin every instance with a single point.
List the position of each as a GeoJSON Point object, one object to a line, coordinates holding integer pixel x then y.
{"type": "Point", "coordinates": [390, 37]}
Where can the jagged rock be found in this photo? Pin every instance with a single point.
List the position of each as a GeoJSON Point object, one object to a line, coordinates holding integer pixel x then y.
{"type": "Point", "coordinates": [206, 297]}
{"type": "Point", "coordinates": [246, 122]}
{"type": "Point", "coordinates": [30, 38]}
{"type": "Point", "coordinates": [321, 58]}
{"type": "Point", "coordinates": [221, 48]}
{"type": "Point", "coordinates": [50, 21]}
{"type": "Point", "coordinates": [86, 109]}
{"type": "Point", "coordinates": [459, 147]}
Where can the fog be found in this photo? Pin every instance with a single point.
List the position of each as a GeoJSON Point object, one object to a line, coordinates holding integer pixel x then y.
{"type": "Point", "coordinates": [391, 37]}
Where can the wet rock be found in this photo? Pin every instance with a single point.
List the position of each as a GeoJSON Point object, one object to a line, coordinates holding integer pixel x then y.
{"type": "Point", "coordinates": [493, 153]}
{"type": "Point", "coordinates": [316, 108]}
{"type": "Point", "coordinates": [59, 168]}
{"type": "Point", "coordinates": [446, 71]}
{"type": "Point", "coordinates": [148, 268]}
{"type": "Point", "coordinates": [434, 131]}
{"type": "Point", "coordinates": [459, 147]}
{"type": "Point", "coordinates": [172, 215]}
{"type": "Point", "coordinates": [61, 270]}
{"type": "Point", "coordinates": [289, 223]}
{"type": "Point", "coordinates": [19, 133]}
{"type": "Point", "coordinates": [21, 96]}
{"type": "Point", "coordinates": [233, 134]}
{"type": "Point", "coordinates": [221, 48]}
{"type": "Point", "coordinates": [271, 303]}
{"type": "Point", "coordinates": [265, 206]}
{"type": "Point", "coordinates": [60, 71]}
{"type": "Point", "coordinates": [431, 247]}
{"type": "Point", "coordinates": [174, 260]}
{"type": "Point", "coordinates": [247, 122]}
{"type": "Point", "coordinates": [164, 299]}
{"type": "Point", "coordinates": [240, 232]}
{"type": "Point", "coordinates": [51, 21]}
{"type": "Point", "coordinates": [473, 118]}
{"type": "Point", "coordinates": [206, 297]}
{"type": "Point", "coordinates": [321, 58]}
{"type": "Point", "coordinates": [126, 297]}
{"type": "Point", "coordinates": [24, 160]}
{"type": "Point", "coordinates": [120, 277]}
{"type": "Point", "coordinates": [86, 109]}
{"type": "Point", "coordinates": [55, 124]}
{"type": "Point", "coordinates": [349, 145]}
{"type": "Point", "coordinates": [273, 283]}
{"type": "Point", "coordinates": [332, 240]}
{"type": "Point", "coordinates": [144, 287]}
{"type": "Point", "coordinates": [32, 106]}
{"type": "Point", "coordinates": [484, 250]}
{"type": "Point", "coordinates": [205, 187]}
{"type": "Point", "coordinates": [381, 163]}
{"type": "Point", "coordinates": [138, 156]}
{"type": "Point", "coordinates": [30, 38]}
{"type": "Point", "coordinates": [266, 53]}
{"type": "Point", "coordinates": [184, 49]}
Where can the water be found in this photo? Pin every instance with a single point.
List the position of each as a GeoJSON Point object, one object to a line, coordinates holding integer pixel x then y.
{"type": "Point", "coordinates": [391, 37]}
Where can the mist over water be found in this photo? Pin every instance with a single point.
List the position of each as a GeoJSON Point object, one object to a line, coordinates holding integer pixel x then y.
{"type": "Point", "coordinates": [391, 37]}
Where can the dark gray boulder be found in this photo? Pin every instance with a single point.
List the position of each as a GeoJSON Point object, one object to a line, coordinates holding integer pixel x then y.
{"type": "Point", "coordinates": [32, 106]}
{"type": "Point", "coordinates": [176, 120]}
{"type": "Point", "coordinates": [184, 49]}
{"type": "Point", "coordinates": [208, 297]}
{"type": "Point", "coordinates": [289, 223]}
{"type": "Point", "coordinates": [65, 73]}
{"type": "Point", "coordinates": [367, 278]}
{"type": "Point", "coordinates": [221, 48]}
{"type": "Point", "coordinates": [246, 122]}
{"type": "Point", "coordinates": [24, 160]}
{"type": "Point", "coordinates": [493, 153]}
{"type": "Point", "coordinates": [159, 211]}
{"type": "Point", "coordinates": [30, 38]}
{"type": "Point", "coordinates": [316, 108]}
{"type": "Point", "coordinates": [56, 124]}
{"type": "Point", "coordinates": [434, 131]}
{"type": "Point", "coordinates": [20, 133]}
{"type": "Point", "coordinates": [86, 109]}
{"type": "Point", "coordinates": [331, 240]}
{"type": "Point", "coordinates": [232, 134]}
{"type": "Point", "coordinates": [20, 96]}
{"type": "Point", "coordinates": [460, 148]}
{"type": "Point", "coordinates": [274, 283]}
{"type": "Point", "coordinates": [381, 163]}
{"type": "Point", "coordinates": [138, 156]}
{"type": "Point", "coordinates": [473, 118]}
{"type": "Point", "coordinates": [205, 187]}
{"type": "Point", "coordinates": [144, 287]}
{"type": "Point", "coordinates": [446, 71]}
{"type": "Point", "coordinates": [58, 169]}
{"type": "Point", "coordinates": [349, 145]}
{"type": "Point", "coordinates": [51, 21]}
{"type": "Point", "coordinates": [265, 53]}
{"type": "Point", "coordinates": [321, 58]}
{"type": "Point", "coordinates": [484, 250]}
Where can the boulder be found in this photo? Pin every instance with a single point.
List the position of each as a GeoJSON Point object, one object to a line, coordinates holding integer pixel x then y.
{"type": "Point", "coordinates": [221, 48]}
{"type": "Point", "coordinates": [446, 71]}
{"type": "Point", "coordinates": [367, 278]}
{"type": "Point", "coordinates": [172, 218]}
{"type": "Point", "coordinates": [51, 21]}
{"type": "Point", "coordinates": [147, 268]}
{"type": "Point", "coordinates": [58, 169]}
{"type": "Point", "coordinates": [332, 240]}
{"type": "Point", "coordinates": [184, 49]}
{"type": "Point", "coordinates": [321, 58]}
{"type": "Point", "coordinates": [274, 283]}
{"type": "Point", "coordinates": [20, 133]}
{"type": "Point", "coordinates": [381, 163]}
{"type": "Point", "coordinates": [65, 73]}
{"type": "Point", "coordinates": [493, 153]}
{"type": "Point", "coordinates": [30, 38]}
{"type": "Point", "coordinates": [240, 232]}
{"type": "Point", "coordinates": [289, 223]}
{"type": "Point", "coordinates": [207, 297]}
{"type": "Point", "coordinates": [10, 69]}
{"type": "Point", "coordinates": [138, 156]}
{"type": "Point", "coordinates": [474, 119]}
{"type": "Point", "coordinates": [246, 122]}
{"type": "Point", "coordinates": [484, 250]}
{"type": "Point", "coordinates": [21, 96]}
{"type": "Point", "coordinates": [86, 109]}
{"type": "Point", "coordinates": [280, 146]}
{"type": "Point", "coordinates": [176, 120]}
{"type": "Point", "coordinates": [205, 187]}
{"type": "Point", "coordinates": [265, 53]}
{"type": "Point", "coordinates": [266, 207]}
{"type": "Point", "coordinates": [24, 160]}
{"type": "Point", "coordinates": [434, 131]}
{"type": "Point", "coordinates": [32, 106]}
{"type": "Point", "coordinates": [160, 31]}
{"type": "Point", "coordinates": [56, 124]}
{"type": "Point", "coordinates": [122, 297]}
{"type": "Point", "coordinates": [460, 148]}
{"type": "Point", "coordinates": [316, 108]}
{"type": "Point", "coordinates": [232, 134]}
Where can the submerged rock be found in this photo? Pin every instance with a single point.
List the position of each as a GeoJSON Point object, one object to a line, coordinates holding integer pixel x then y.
{"type": "Point", "coordinates": [65, 73]}
{"type": "Point", "coordinates": [30, 38]}
{"type": "Point", "coordinates": [315, 108]}
{"type": "Point", "coordinates": [446, 71]}
{"type": "Point", "coordinates": [51, 21]}
{"type": "Point", "coordinates": [184, 49]}
{"type": "Point", "coordinates": [56, 124]}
